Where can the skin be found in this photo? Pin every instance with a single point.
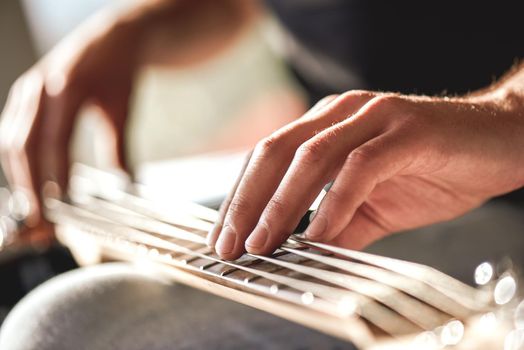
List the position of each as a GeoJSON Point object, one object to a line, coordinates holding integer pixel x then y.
{"type": "Point", "coordinates": [97, 65]}
{"type": "Point", "coordinates": [397, 162]}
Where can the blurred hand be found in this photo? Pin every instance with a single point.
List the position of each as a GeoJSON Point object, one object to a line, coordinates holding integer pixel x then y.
{"type": "Point", "coordinates": [397, 162]}
{"type": "Point", "coordinates": [97, 64]}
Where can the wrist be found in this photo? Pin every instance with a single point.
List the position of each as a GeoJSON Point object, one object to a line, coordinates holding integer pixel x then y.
{"type": "Point", "coordinates": [500, 108]}
{"type": "Point", "coordinates": [507, 94]}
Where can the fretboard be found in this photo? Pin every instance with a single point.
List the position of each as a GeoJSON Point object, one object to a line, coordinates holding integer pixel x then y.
{"type": "Point", "coordinates": [353, 295]}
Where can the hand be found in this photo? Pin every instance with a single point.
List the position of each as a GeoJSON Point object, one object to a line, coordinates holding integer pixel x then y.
{"type": "Point", "coordinates": [96, 64]}
{"type": "Point", "coordinates": [397, 162]}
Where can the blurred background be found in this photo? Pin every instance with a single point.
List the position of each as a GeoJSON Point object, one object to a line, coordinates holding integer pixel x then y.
{"type": "Point", "coordinates": [219, 106]}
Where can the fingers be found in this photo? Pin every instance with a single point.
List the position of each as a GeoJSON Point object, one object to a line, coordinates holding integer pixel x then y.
{"type": "Point", "coordinates": [316, 163]}
{"type": "Point", "coordinates": [36, 130]}
{"type": "Point", "coordinates": [56, 130]}
{"type": "Point", "coordinates": [269, 163]}
{"type": "Point", "coordinates": [217, 228]}
{"type": "Point", "coordinates": [342, 208]}
{"type": "Point", "coordinates": [115, 106]}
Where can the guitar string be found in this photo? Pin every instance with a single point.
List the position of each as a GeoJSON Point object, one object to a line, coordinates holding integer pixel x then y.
{"type": "Point", "coordinates": [469, 297]}
{"type": "Point", "coordinates": [379, 315]}
{"type": "Point", "coordinates": [131, 201]}
{"type": "Point", "coordinates": [433, 277]}
{"type": "Point", "coordinates": [410, 286]}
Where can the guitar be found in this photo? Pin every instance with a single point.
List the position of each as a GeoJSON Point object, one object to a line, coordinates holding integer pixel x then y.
{"type": "Point", "coordinates": [372, 301]}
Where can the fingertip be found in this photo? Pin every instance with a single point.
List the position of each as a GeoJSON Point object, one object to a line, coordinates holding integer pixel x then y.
{"type": "Point", "coordinates": [213, 234]}
{"type": "Point", "coordinates": [257, 240]}
{"type": "Point", "coordinates": [317, 229]}
{"type": "Point", "coordinates": [226, 243]}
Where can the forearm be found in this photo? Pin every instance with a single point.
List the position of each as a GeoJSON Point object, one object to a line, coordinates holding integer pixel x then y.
{"type": "Point", "coordinates": [185, 32]}
{"type": "Point", "coordinates": [173, 32]}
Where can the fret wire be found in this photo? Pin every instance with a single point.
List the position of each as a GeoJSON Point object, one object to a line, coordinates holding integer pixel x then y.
{"type": "Point", "coordinates": [192, 259]}
{"type": "Point", "coordinates": [208, 265]}
{"type": "Point", "coordinates": [275, 269]}
{"type": "Point", "coordinates": [248, 264]}
{"type": "Point", "coordinates": [228, 271]}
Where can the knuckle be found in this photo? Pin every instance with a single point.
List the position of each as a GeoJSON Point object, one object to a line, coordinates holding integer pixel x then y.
{"type": "Point", "coordinates": [334, 196]}
{"type": "Point", "coordinates": [362, 156]}
{"type": "Point", "coordinates": [330, 97]}
{"type": "Point", "coordinates": [268, 146]}
{"type": "Point", "coordinates": [275, 205]}
{"type": "Point", "coordinates": [353, 94]}
{"type": "Point", "coordinates": [384, 101]}
{"type": "Point", "coordinates": [238, 206]}
{"type": "Point", "coordinates": [311, 152]}
{"type": "Point", "coordinates": [327, 99]}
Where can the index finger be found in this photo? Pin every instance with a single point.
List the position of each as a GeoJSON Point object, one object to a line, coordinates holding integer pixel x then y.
{"type": "Point", "coordinates": [212, 236]}
{"type": "Point", "coordinates": [224, 207]}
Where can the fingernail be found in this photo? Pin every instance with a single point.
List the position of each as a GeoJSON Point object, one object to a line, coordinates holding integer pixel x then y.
{"type": "Point", "coordinates": [317, 227]}
{"type": "Point", "coordinates": [212, 235]}
{"type": "Point", "coordinates": [226, 241]}
{"type": "Point", "coordinates": [258, 238]}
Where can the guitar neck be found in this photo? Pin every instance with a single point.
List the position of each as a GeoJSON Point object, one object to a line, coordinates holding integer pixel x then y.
{"type": "Point", "coordinates": [363, 298]}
